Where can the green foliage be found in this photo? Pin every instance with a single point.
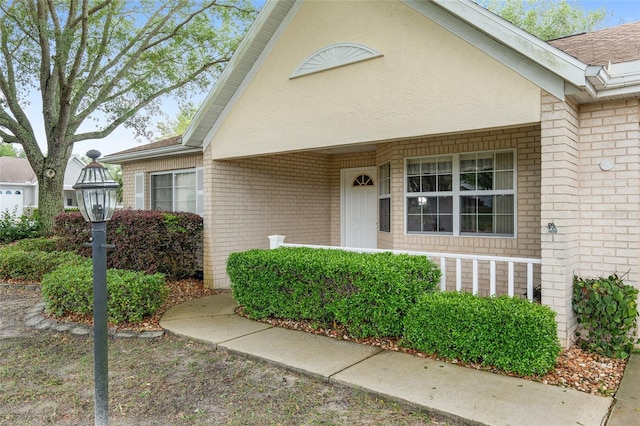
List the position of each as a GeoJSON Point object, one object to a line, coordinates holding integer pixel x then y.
{"type": "Point", "coordinates": [149, 241]}
{"type": "Point", "coordinates": [29, 265]}
{"type": "Point", "coordinates": [368, 293]}
{"type": "Point", "coordinates": [116, 60]}
{"type": "Point", "coordinates": [131, 295]}
{"type": "Point", "coordinates": [177, 126]}
{"type": "Point", "coordinates": [607, 313]}
{"type": "Point", "coordinates": [14, 227]}
{"type": "Point", "coordinates": [38, 244]}
{"type": "Point", "coordinates": [546, 19]}
{"type": "Point", "coordinates": [512, 334]}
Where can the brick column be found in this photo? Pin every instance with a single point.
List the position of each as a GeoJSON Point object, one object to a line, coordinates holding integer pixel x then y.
{"type": "Point", "coordinates": [559, 205]}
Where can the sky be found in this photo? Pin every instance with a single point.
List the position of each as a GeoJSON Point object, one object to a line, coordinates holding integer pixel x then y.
{"type": "Point", "coordinates": [620, 12]}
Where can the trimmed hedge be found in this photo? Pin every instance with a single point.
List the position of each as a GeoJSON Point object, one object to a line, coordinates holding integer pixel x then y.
{"type": "Point", "coordinates": [149, 241]}
{"type": "Point", "coordinates": [367, 293]}
{"type": "Point", "coordinates": [131, 295]}
{"type": "Point", "coordinates": [32, 265]}
{"type": "Point", "coordinates": [38, 244]}
{"type": "Point", "coordinates": [607, 312]}
{"type": "Point", "coordinates": [510, 333]}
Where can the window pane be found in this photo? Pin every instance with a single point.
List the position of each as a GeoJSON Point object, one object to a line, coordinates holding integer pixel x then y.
{"type": "Point", "coordinates": [445, 223]}
{"type": "Point", "coordinates": [413, 184]}
{"type": "Point", "coordinates": [484, 164]}
{"type": "Point", "coordinates": [445, 183]}
{"type": "Point", "coordinates": [384, 208]}
{"type": "Point", "coordinates": [413, 167]}
{"type": "Point", "coordinates": [468, 182]}
{"type": "Point", "coordinates": [485, 223]}
{"type": "Point", "coordinates": [414, 223]}
{"type": "Point", "coordinates": [468, 223]}
{"type": "Point", "coordinates": [185, 179]}
{"type": "Point", "coordinates": [445, 205]}
{"type": "Point", "coordinates": [485, 204]}
{"type": "Point", "coordinates": [430, 223]}
{"type": "Point", "coordinates": [413, 206]}
{"type": "Point", "coordinates": [468, 205]}
{"type": "Point", "coordinates": [467, 163]}
{"type": "Point", "coordinates": [445, 165]}
{"type": "Point", "coordinates": [504, 161]}
{"type": "Point", "coordinates": [485, 181]}
{"type": "Point", "coordinates": [504, 225]}
{"type": "Point", "coordinates": [504, 180]}
{"type": "Point", "coordinates": [429, 183]}
{"type": "Point", "coordinates": [429, 167]}
{"type": "Point", "coordinates": [504, 204]}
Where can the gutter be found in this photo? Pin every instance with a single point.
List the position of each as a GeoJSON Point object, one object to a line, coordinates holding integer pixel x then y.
{"type": "Point", "coordinates": [614, 80]}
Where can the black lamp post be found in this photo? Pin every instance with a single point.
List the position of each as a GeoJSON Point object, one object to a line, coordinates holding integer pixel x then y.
{"type": "Point", "coordinates": [96, 195]}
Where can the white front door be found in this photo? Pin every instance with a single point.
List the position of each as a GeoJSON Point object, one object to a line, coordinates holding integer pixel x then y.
{"type": "Point", "coordinates": [359, 208]}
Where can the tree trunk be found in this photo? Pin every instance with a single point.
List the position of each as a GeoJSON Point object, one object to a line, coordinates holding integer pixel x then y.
{"type": "Point", "coordinates": [50, 198]}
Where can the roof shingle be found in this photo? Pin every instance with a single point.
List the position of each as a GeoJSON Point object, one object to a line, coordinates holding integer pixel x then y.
{"type": "Point", "coordinates": [615, 45]}
{"type": "Point", "coordinates": [16, 170]}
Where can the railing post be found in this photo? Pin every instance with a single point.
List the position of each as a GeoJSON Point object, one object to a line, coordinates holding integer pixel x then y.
{"type": "Point", "coordinates": [276, 241]}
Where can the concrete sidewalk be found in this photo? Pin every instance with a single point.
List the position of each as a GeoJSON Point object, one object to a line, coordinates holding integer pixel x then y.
{"type": "Point", "coordinates": [461, 394]}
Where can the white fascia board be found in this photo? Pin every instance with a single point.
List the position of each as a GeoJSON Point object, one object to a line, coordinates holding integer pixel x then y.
{"type": "Point", "coordinates": [255, 66]}
{"type": "Point", "coordinates": [151, 153]}
{"type": "Point", "coordinates": [534, 59]}
{"type": "Point", "coordinates": [227, 80]}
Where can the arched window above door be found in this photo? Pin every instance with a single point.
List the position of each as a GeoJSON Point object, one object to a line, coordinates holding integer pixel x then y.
{"type": "Point", "coordinates": [362, 180]}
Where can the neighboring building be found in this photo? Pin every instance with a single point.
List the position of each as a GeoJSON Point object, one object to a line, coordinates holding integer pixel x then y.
{"type": "Point", "coordinates": [19, 185]}
{"type": "Point", "coordinates": [418, 125]}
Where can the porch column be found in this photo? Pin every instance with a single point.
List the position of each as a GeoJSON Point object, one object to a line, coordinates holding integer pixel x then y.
{"type": "Point", "coordinates": [559, 206]}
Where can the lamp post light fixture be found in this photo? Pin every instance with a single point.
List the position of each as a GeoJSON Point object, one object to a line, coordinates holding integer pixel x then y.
{"type": "Point", "coordinates": [96, 192]}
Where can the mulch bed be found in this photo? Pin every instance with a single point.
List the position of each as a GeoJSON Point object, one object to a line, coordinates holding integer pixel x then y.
{"type": "Point", "coordinates": [576, 368]}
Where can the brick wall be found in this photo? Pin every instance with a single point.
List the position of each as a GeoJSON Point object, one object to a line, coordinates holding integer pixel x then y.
{"type": "Point", "coordinates": [129, 171]}
{"type": "Point", "coordinates": [249, 199]}
{"type": "Point", "coordinates": [609, 199]}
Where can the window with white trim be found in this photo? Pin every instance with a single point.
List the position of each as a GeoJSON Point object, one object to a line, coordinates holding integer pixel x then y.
{"type": "Point", "coordinates": [384, 197]}
{"type": "Point", "coordinates": [174, 191]}
{"type": "Point", "coordinates": [461, 194]}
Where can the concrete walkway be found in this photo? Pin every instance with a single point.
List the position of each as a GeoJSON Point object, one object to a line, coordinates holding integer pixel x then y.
{"type": "Point", "coordinates": [461, 394]}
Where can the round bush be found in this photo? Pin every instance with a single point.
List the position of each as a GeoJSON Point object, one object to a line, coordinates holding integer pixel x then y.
{"type": "Point", "coordinates": [131, 295]}
{"type": "Point", "coordinates": [32, 265]}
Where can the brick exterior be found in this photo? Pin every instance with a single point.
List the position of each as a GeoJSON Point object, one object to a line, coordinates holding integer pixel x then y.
{"type": "Point", "coordinates": [595, 210]}
{"type": "Point", "coordinates": [129, 171]}
{"type": "Point", "coordinates": [298, 195]}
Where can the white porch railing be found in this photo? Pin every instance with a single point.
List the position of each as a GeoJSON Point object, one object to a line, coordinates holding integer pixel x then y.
{"type": "Point", "coordinates": [492, 261]}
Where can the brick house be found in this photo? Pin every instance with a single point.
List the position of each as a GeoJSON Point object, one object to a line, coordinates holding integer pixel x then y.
{"type": "Point", "coordinates": [432, 126]}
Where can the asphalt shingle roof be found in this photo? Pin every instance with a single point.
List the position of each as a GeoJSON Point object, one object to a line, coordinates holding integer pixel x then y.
{"type": "Point", "coordinates": [615, 45]}
{"type": "Point", "coordinates": [16, 170]}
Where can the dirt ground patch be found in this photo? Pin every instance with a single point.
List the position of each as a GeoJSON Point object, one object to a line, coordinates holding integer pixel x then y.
{"type": "Point", "coordinates": [47, 378]}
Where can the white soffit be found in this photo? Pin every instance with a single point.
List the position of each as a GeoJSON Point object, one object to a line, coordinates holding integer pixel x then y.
{"type": "Point", "coordinates": [334, 56]}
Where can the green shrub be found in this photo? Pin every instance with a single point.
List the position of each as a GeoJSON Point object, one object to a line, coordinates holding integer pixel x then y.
{"type": "Point", "coordinates": [510, 333]}
{"type": "Point", "coordinates": [32, 265]}
{"type": "Point", "coordinates": [14, 227]}
{"type": "Point", "coordinates": [131, 295]}
{"type": "Point", "coordinates": [149, 241]}
{"type": "Point", "coordinates": [607, 312]}
{"type": "Point", "coordinates": [38, 244]}
{"type": "Point", "coordinates": [367, 293]}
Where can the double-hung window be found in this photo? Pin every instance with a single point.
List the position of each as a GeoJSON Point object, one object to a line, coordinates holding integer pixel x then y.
{"type": "Point", "coordinates": [174, 191]}
{"type": "Point", "coordinates": [461, 194]}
